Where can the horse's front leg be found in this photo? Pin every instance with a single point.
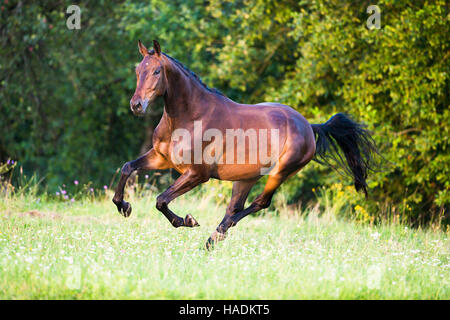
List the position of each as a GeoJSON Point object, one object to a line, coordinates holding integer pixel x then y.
{"type": "Point", "coordinates": [186, 182]}
{"type": "Point", "coordinates": [149, 161]}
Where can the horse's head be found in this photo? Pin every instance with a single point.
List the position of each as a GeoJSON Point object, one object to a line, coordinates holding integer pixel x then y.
{"type": "Point", "coordinates": [150, 79]}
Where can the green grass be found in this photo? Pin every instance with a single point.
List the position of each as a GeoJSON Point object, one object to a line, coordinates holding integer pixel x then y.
{"type": "Point", "coordinates": [86, 250]}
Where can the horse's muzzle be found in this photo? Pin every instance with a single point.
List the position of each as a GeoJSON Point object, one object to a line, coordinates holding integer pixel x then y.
{"type": "Point", "coordinates": [138, 107]}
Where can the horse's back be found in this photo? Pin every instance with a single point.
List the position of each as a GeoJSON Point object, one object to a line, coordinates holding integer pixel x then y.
{"type": "Point", "coordinates": [277, 114]}
{"type": "Point", "coordinates": [295, 130]}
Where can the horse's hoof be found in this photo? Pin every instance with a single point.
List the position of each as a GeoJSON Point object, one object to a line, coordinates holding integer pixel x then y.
{"type": "Point", "coordinates": [123, 207]}
{"type": "Point", "coordinates": [213, 239]}
{"type": "Point", "coordinates": [126, 209]}
{"type": "Point", "coordinates": [189, 221]}
{"type": "Point", "coordinates": [209, 245]}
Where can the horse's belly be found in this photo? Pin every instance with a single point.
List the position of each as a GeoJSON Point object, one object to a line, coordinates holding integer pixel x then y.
{"type": "Point", "coordinates": [236, 172]}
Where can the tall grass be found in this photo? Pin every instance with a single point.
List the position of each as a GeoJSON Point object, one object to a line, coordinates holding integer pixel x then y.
{"type": "Point", "coordinates": [53, 247]}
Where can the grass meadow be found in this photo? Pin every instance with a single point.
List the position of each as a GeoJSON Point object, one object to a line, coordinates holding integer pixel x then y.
{"type": "Point", "coordinates": [83, 249]}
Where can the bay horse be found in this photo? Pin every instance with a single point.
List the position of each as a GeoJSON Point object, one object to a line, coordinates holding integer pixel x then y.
{"type": "Point", "coordinates": [187, 100]}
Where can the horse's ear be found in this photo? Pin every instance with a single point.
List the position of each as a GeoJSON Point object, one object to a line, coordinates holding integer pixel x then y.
{"type": "Point", "coordinates": [156, 47]}
{"type": "Point", "coordinates": [142, 49]}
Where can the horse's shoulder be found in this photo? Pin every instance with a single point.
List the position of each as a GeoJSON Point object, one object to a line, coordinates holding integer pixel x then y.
{"type": "Point", "coordinates": [161, 132]}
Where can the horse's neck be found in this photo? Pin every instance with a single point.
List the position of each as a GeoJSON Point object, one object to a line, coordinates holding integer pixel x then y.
{"type": "Point", "coordinates": [185, 99]}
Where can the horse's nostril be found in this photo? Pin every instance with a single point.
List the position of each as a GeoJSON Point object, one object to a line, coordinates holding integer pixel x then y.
{"type": "Point", "coordinates": [136, 107]}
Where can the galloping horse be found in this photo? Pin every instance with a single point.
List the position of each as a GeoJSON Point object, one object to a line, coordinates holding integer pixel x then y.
{"type": "Point", "coordinates": [189, 102]}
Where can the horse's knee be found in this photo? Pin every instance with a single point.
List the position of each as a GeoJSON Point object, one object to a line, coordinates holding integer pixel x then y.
{"type": "Point", "coordinates": [233, 209]}
{"type": "Point", "coordinates": [225, 225]}
{"type": "Point", "coordinates": [160, 203]}
{"type": "Point", "coordinates": [127, 168]}
{"type": "Point", "coordinates": [117, 200]}
{"type": "Point", "coordinates": [261, 203]}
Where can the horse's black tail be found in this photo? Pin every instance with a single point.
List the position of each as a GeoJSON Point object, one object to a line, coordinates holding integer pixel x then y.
{"type": "Point", "coordinates": [340, 134]}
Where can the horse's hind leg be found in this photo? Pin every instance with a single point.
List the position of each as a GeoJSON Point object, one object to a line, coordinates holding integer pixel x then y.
{"type": "Point", "coordinates": [239, 195]}
{"type": "Point", "coordinates": [262, 201]}
{"type": "Point", "coordinates": [149, 161]}
{"type": "Point", "coordinates": [186, 182]}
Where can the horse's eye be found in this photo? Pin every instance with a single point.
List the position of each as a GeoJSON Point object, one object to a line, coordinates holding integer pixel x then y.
{"type": "Point", "coordinates": [157, 71]}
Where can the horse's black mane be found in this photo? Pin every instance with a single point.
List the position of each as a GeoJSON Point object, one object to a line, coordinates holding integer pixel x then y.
{"type": "Point", "coordinates": [192, 74]}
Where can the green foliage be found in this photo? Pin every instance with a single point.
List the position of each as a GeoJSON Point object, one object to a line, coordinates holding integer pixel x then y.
{"type": "Point", "coordinates": [394, 79]}
{"type": "Point", "coordinates": [65, 93]}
